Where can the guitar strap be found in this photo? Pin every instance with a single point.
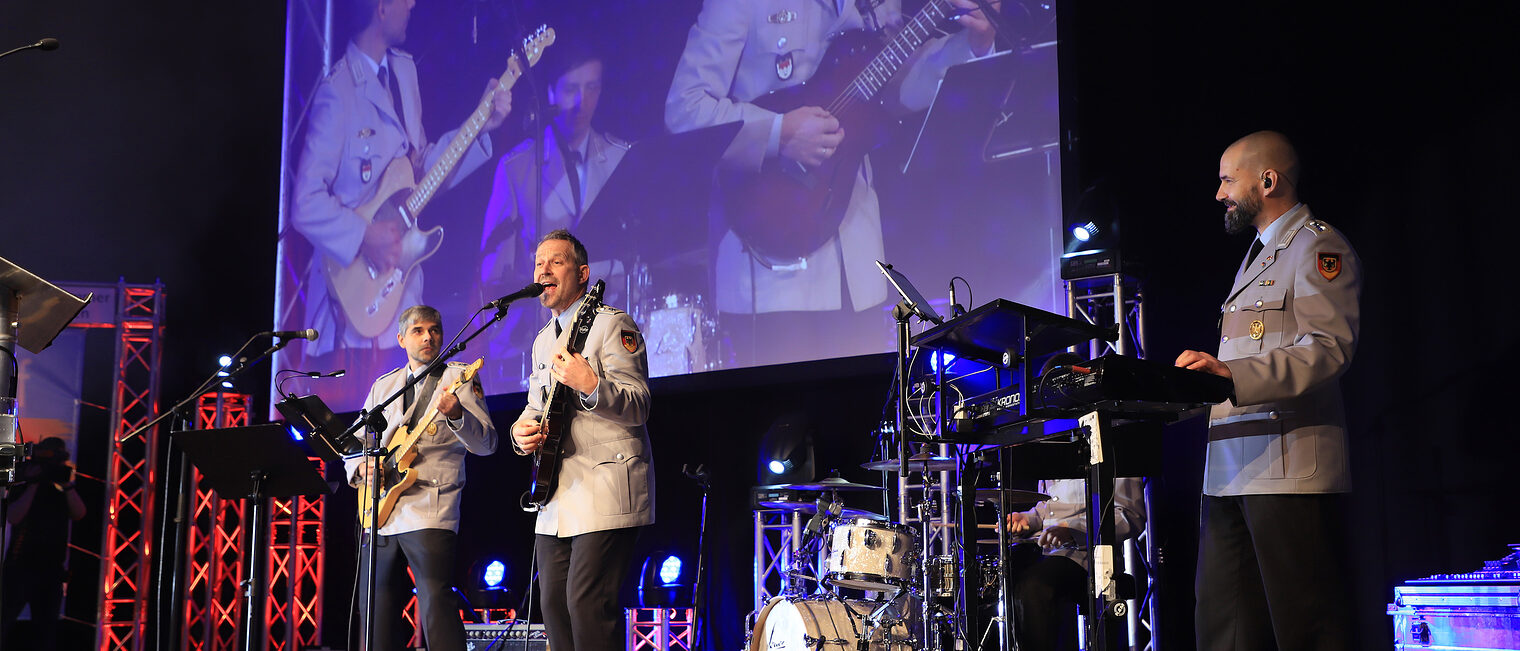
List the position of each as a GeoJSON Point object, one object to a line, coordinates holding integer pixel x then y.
{"type": "Point", "coordinates": [425, 391]}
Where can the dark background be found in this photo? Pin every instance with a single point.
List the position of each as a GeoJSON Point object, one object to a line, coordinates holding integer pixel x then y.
{"type": "Point", "coordinates": [148, 148]}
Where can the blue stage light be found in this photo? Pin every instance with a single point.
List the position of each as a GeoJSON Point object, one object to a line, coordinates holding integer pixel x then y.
{"type": "Point", "coordinates": [495, 572]}
{"type": "Point", "coordinates": [670, 570]}
{"type": "Point", "coordinates": [1084, 232]}
{"type": "Point", "coordinates": [779, 466]}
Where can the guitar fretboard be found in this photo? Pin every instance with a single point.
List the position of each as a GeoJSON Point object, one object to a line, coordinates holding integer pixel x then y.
{"type": "Point", "coordinates": [429, 184]}
{"type": "Point", "coordinates": [914, 33]}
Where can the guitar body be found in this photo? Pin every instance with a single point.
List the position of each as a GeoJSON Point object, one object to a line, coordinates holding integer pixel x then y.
{"type": "Point", "coordinates": [785, 211]}
{"type": "Point", "coordinates": [396, 468]}
{"type": "Point", "coordinates": [370, 296]}
{"type": "Point", "coordinates": [555, 421]}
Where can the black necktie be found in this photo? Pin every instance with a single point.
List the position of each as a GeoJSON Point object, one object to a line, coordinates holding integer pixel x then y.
{"type": "Point", "coordinates": [395, 95]}
{"type": "Point", "coordinates": [409, 397]}
{"type": "Point", "coordinates": [1256, 248]}
{"type": "Point", "coordinates": [557, 328]}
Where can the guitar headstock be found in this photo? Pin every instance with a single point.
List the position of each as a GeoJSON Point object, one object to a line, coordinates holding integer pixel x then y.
{"type": "Point", "coordinates": [533, 44]}
{"type": "Point", "coordinates": [471, 370]}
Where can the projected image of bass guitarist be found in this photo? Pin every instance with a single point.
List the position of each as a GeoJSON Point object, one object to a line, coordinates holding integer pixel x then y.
{"type": "Point", "coordinates": [430, 430]}
{"type": "Point", "coordinates": [365, 170]}
{"type": "Point", "coordinates": [799, 217]}
{"type": "Point", "coordinates": [588, 399]}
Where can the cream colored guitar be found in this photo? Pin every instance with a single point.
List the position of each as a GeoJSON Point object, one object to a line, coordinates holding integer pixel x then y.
{"type": "Point", "coordinates": [369, 294]}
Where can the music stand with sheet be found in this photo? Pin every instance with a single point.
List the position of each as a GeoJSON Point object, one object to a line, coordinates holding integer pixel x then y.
{"type": "Point", "coordinates": [990, 109]}
{"type": "Point", "coordinates": [254, 463]}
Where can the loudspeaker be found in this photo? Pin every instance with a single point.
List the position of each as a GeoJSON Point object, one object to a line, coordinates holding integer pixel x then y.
{"type": "Point", "coordinates": [506, 636]}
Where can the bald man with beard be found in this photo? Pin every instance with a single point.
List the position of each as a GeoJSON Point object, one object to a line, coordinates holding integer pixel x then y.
{"type": "Point", "coordinates": [1271, 573]}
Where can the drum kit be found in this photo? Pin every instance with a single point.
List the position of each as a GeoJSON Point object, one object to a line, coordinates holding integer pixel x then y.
{"type": "Point", "coordinates": [858, 581]}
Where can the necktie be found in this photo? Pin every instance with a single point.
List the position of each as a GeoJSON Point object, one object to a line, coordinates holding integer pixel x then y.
{"type": "Point", "coordinates": [1256, 248]}
{"type": "Point", "coordinates": [409, 397]}
{"type": "Point", "coordinates": [385, 82]}
{"type": "Point", "coordinates": [557, 329]}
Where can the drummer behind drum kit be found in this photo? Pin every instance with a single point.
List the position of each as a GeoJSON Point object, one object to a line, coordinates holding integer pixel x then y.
{"type": "Point", "coordinates": [874, 577]}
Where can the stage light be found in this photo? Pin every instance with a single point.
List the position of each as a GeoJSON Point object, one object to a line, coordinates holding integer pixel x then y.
{"type": "Point", "coordinates": [1084, 232]}
{"type": "Point", "coordinates": [670, 570]}
{"type": "Point", "coordinates": [295, 433]}
{"type": "Point", "coordinates": [934, 361]}
{"type": "Point", "coordinates": [224, 361]}
{"type": "Point", "coordinates": [786, 451]}
{"type": "Point", "coordinates": [495, 572]}
{"type": "Point", "coordinates": [665, 581]}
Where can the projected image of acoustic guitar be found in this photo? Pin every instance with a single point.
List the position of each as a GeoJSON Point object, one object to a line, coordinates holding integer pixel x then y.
{"type": "Point", "coordinates": [555, 421]}
{"type": "Point", "coordinates": [370, 294]}
{"type": "Point", "coordinates": [787, 210]}
{"type": "Point", "coordinates": [396, 474]}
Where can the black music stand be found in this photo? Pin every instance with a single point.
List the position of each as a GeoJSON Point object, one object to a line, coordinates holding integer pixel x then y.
{"type": "Point", "coordinates": [254, 463]}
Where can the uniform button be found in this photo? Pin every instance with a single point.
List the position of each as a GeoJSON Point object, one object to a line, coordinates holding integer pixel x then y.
{"type": "Point", "coordinates": [1258, 303]}
{"type": "Point", "coordinates": [1232, 308]}
{"type": "Point", "coordinates": [1272, 415]}
{"type": "Point", "coordinates": [1224, 339]}
{"type": "Point", "coordinates": [620, 456]}
{"type": "Point", "coordinates": [781, 42]}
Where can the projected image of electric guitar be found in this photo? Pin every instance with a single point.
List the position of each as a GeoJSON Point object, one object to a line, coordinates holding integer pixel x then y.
{"type": "Point", "coordinates": [787, 210]}
{"type": "Point", "coordinates": [370, 293]}
{"type": "Point", "coordinates": [396, 472]}
{"type": "Point", "coordinates": [555, 422]}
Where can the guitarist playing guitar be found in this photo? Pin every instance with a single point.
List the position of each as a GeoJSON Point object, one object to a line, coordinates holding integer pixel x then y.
{"type": "Point", "coordinates": [421, 530]}
{"type": "Point", "coordinates": [815, 85]}
{"type": "Point", "coordinates": [603, 486]}
{"type": "Point", "coordinates": [364, 119]}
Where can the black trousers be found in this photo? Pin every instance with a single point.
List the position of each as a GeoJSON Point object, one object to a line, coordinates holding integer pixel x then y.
{"type": "Point", "coordinates": [578, 580]}
{"type": "Point", "coordinates": [1272, 574]}
{"type": "Point", "coordinates": [1047, 597]}
{"type": "Point", "coordinates": [430, 554]}
{"type": "Point", "coordinates": [38, 583]}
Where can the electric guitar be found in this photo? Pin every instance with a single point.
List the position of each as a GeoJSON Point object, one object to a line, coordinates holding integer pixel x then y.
{"type": "Point", "coordinates": [787, 210]}
{"type": "Point", "coordinates": [555, 421]}
{"type": "Point", "coordinates": [369, 294]}
{"type": "Point", "coordinates": [396, 466]}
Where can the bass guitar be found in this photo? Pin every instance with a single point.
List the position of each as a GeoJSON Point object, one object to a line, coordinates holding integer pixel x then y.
{"type": "Point", "coordinates": [396, 467]}
{"type": "Point", "coordinates": [786, 210]}
{"type": "Point", "coordinates": [555, 421]}
{"type": "Point", "coordinates": [370, 295]}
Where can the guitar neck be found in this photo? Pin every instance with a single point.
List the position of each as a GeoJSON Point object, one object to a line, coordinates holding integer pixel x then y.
{"type": "Point", "coordinates": [429, 184]}
{"type": "Point", "coordinates": [914, 33]}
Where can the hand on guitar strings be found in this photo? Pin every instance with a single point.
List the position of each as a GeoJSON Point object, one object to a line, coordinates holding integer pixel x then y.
{"type": "Point", "coordinates": [366, 471]}
{"type": "Point", "coordinates": [448, 405]}
{"type": "Point", "coordinates": [501, 104]}
{"type": "Point", "coordinates": [526, 435]}
{"type": "Point", "coordinates": [810, 135]}
{"type": "Point", "coordinates": [978, 28]}
{"type": "Point", "coordinates": [382, 242]}
{"type": "Point", "coordinates": [572, 370]}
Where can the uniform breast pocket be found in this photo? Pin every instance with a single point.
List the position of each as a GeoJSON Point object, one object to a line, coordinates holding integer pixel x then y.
{"type": "Point", "coordinates": [1259, 324]}
{"type": "Point", "coordinates": [620, 475]}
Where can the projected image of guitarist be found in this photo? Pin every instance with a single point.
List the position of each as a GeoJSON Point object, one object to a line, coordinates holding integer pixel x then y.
{"type": "Point", "coordinates": [798, 212]}
{"type": "Point", "coordinates": [593, 478]}
{"type": "Point", "coordinates": [420, 481]}
{"type": "Point", "coordinates": [365, 169]}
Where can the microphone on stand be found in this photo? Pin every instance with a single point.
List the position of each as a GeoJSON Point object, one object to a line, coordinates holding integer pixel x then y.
{"type": "Point", "coordinates": [309, 334]}
{"type": "Point", "coordinates": [45, 45]}
{"type": "Point", "coordinates": [533, 289]}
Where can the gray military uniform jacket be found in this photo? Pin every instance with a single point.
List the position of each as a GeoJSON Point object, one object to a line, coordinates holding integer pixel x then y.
{"type": "Point", "coordinates": [433, 501]}
{"type": "Point", "coordinates": [1288, 332]}
{"type": "Point", "coordinates": [606, 475]}
{"type": "Point", "coordinates": [352, 135]}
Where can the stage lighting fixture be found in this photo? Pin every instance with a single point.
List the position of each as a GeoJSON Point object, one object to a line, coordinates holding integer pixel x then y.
{"type": "Point", "coordinates": [665, 582]}
{"type": "Point", "coordinates": [1084, 232]}
{"type": "Point", "coordinates": [1094, 239]}
{"type": "Point", "coordinates": [493, 575]}
{"type": "Point", "coordinates": [786, 451]}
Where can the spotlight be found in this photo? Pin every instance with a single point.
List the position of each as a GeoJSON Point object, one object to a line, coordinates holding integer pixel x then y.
{"type": "Point", "coordinates": [780, 466]}
{"type": "Point", "coordinates": [664, 582]}
{"type": "Point", "coordinates": [786, 451]}
{"type": "Point", "coordinates": [295, 433]}
{"type": "Point", "coordinates": [1084, 232]}
{"type": "Point", "coordinates": [495, 572]}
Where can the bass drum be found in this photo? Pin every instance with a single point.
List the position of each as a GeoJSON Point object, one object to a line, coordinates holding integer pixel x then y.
{"type": "Point", "coordinates": [825, 624]}
{"type": "Point", "coordinates": [679, 335]}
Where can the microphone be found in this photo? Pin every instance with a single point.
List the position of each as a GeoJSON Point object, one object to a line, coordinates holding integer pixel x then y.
{"type": "Point", "coordinates": [533, 289]}
{"type": "Point", "coordinates": [318, 374]}
{"type": "Point", "coordinates": [43, 44]}
{"type": "Point", "coordinates": [309, 334]}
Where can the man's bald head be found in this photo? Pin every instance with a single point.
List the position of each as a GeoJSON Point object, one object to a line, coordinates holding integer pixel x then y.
{"type": "Point", "coordinates": [1267, 150]}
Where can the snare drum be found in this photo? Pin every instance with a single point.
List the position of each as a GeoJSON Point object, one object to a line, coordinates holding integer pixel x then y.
{"type": "Point", "coordinates": [869, 555]}
{"type": "Point", "coordinates": [678, 332]}
{"type": "Point", "coordinates": [824, 624]}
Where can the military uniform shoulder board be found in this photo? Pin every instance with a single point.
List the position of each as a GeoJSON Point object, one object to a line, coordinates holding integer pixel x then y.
{"type": "Point", "coordinates": [607, 309]}
{"type": "Point", "coordinates": [457, 364]}
{"type": "Point", "coordinates": [392, 372]}
{"type": "Point", "coordinates": [1316, 226]}
{"type": "Point", "coordinates": [398, 52]}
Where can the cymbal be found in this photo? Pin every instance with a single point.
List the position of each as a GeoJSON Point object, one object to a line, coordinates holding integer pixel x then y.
{"type": "Point", "coordinates": [811, 508]}
{"type": "Point", "coordinates": [828, 484]}
{"type": "Point", "coordinates": [916, 463]}
{"type": "Point", "coordinates": [1009, 495]}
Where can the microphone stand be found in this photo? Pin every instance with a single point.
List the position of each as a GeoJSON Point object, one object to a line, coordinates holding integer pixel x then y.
{"type": "Point", "coordinates": [705, 482]}
{"type": "Point", "coordinates": [374, 419]}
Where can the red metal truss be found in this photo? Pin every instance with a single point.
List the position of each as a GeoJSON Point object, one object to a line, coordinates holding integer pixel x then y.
{"type": "Point", "coordinates": [294, 606]}
{"type": "Point", "coordinates": [213, 607]}
{"type": "Point", "coordinates": [660, 629]}
{"type": "Point", "coordinates": [126, 544]}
